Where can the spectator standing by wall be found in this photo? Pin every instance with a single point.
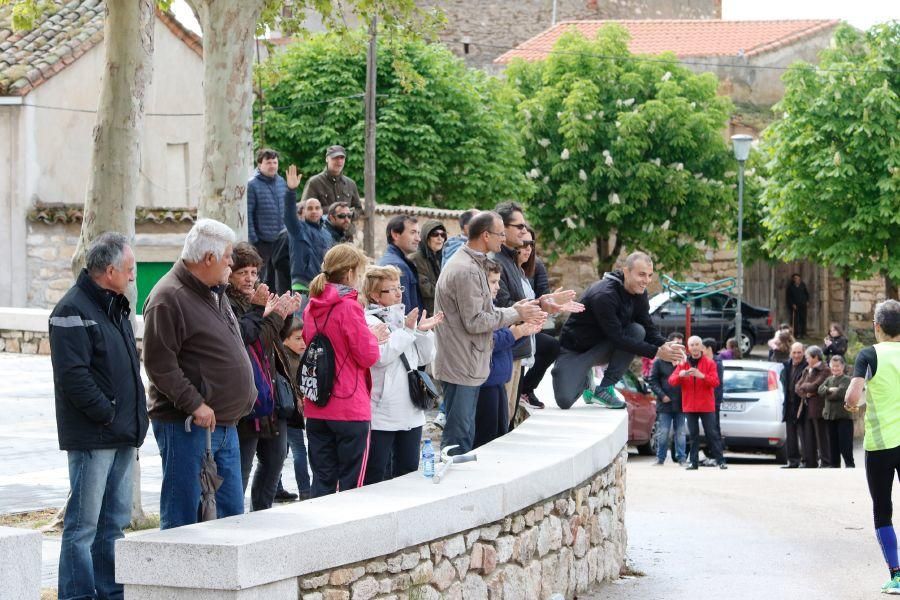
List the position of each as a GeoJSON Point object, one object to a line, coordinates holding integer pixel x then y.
{"type": "Point", "coordinates": [338, 433]}
{"type": "Point", "coordinates": [261, 316]}
{"type": "Point", "coordinates": [709, 350]}
{"type": "Point", "coordinates": [669, 416]}
{"type": "Point", "coordinates": [198, 369]}
{"type": "Point", "coordinates": [101, 415]}
{"type": "Point", "coordinates": [790, 375]}
{"type": "Point", "coordinates": [815, 432]}
{"type": "Point", "coordinates": [396, 422]}
{"type": "Point", "coordinates": [403, 238]}
{"type": "Point", "coordinates": [307, 241]}
{"type": "Point", "coordinates": [427, 260]}
{"type": "Point", "coordinates": [797, 296]}
{"type": "Point", "coordinates": [464, 340]}
{"type": "Point", "coordinates": [838, 418]}
{"type": "Point", "coordinates": [835, 343]}
{"type": "Point", "coordinates": [331, 185]}
{"type": "Point", "coordinates": [264, 193]}
{"type": "Point", "coordinates": [456, 242]}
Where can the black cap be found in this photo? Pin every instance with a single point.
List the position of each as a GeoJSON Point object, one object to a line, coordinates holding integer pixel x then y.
{"type": "Point", "coordinates": [335, 151]}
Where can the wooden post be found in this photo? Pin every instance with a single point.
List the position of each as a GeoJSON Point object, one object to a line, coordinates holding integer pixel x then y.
{"type": "Point", "coordinates": [369, 176]}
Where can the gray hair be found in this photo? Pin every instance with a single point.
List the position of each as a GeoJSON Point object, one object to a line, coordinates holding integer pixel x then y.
{"type": "Point", "coordinates": [636, 256]}
{"type": "Point", "coordinates": [207, 236]}
{"type": "Point", "coordinates": [815, 352]}
{"type": "Point", "coordinates": [887, 314]}
{"type": "Point", "coordinates": [104, 251]}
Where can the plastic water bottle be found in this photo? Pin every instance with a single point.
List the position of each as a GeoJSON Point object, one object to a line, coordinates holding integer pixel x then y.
{"type": "Point", "coordinates": [427, 459]}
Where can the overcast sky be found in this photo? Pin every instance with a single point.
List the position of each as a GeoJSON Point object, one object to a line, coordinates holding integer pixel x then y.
{"type": "Point", "coordinates": [859, 13]}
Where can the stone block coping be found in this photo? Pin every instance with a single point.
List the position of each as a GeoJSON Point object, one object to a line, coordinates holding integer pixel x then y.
{"type": "Point", "coordinates": [37, 319]}
{"type": "Point", "coordinates": [552, 451]}
{"type": "Point", "coordinates": [20, 564]}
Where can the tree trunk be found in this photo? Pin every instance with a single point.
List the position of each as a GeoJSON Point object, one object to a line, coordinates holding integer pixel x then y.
{"type": "Point", "coordinates": [111, 197]}
{"type": "Point", "coordinates": [608, 250]}
{"type": "Point", "coordinates": [229, 33]}
{"type": "Point", "coordinates": [890, 288]}
{"type": "Point", "coordinates": [845, 309]}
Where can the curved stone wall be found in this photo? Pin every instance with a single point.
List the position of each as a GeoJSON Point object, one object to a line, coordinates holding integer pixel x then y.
{"type": "Point", "coordinates": [541, 512]}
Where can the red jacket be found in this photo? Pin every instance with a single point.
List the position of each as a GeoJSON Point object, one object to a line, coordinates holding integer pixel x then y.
{"type": "Point", "coordinates": [355, 350]}
{"type": "Point", "coordinates": [697, 395]}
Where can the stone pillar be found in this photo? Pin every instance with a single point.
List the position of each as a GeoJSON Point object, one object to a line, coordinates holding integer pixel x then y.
{"type": "Point", "coordinates": [20, 564]}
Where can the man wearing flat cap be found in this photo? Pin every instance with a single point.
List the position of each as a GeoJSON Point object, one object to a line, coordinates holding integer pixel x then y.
{"type": "Point", "coordinates": [331, 185]}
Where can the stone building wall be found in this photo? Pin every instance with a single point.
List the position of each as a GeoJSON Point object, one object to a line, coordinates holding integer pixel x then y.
{"type": "Point", "coordinates": [495, 26]}
{"type": "Point", "coordinates": [565, 544]}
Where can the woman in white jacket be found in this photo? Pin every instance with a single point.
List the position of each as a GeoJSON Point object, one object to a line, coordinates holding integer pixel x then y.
{"type": "Point", "coordinates": [396, 430]}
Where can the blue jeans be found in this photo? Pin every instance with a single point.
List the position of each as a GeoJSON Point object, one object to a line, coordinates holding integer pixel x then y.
{"type": "Point", "coordinates": [97, 511]}
{"type": "Point", "coordinates": [181, 453]}
{"type": "Point", "coordinates": [301, 463]}
{"type": "Point", "coordinates": [665, 422]}
{"type": "Point", "coordinates": [460, 402]}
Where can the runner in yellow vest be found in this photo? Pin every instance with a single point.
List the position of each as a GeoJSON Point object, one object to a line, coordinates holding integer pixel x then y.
{"type": "Point", "coordinates": [877, 370]}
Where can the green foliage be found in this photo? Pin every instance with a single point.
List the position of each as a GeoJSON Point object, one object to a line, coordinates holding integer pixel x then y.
{"type": "Point", "coordinates": [444, 137]}
{"type": "Point", "coordinates": [626, 149]}
{"type": "Point", "coordinates": [834, 158]}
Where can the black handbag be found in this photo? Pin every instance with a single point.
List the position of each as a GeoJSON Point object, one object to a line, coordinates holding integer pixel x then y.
{"type": "Point", "coordinates": [422, 390]}
{"type": "Point", "coordinates": [285, 403]}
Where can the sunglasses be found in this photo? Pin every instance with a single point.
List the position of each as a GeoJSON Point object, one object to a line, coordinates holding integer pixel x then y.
{"type": "Point", "coordinates": [529, 244]}
{"type": "Point", "coordinates": [519, 226]}
{"type": "Point", "coordinates": [343, 216]}
{"type": "Point", "coordinates": [438, 234]}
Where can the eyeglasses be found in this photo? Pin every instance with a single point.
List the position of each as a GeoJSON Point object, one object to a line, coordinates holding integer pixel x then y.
{"type": "Point", "coordinates": [400, 289]}
{"type": "Point", "coordinates": [343, 216]}
{"type": "Point", "coordinates": [442, 234]}
{"type": "Point", "coordinates": [500, 234]}
{"type": "Point", "coordinates": [519, 226]}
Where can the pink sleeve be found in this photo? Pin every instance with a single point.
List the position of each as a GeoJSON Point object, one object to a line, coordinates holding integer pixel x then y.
{"type": "Point", "coordinates": [362, 344]}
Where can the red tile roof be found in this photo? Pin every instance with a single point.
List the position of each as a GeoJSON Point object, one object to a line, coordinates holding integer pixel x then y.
{"type": "Point", "coordinates": [686, 38]}
{"type": "Point", "coordinates": [64, 33]}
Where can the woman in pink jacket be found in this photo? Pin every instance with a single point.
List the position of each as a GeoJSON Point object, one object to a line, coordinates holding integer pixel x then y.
{"type": "Point", "coordinates": [338, 433]}
{"type": "Point", "coordinates": [697, 377]}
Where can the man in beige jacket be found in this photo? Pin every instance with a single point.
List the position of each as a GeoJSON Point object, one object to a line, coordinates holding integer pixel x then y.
{"type": "Point", "coordinates": [464, 340]}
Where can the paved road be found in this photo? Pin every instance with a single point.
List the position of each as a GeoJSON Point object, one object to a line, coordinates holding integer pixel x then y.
{"type": "Point", "coordinates": [753, 531]}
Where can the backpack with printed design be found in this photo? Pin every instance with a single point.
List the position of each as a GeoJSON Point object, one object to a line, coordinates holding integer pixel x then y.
{"type": "Point", "coordinates": [315, 377]}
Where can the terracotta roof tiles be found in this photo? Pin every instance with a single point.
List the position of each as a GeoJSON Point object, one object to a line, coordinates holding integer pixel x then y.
{"type": "Point", "coordinates": [65, 32]}
{"type": "Point", "coordinates": [685, 38]}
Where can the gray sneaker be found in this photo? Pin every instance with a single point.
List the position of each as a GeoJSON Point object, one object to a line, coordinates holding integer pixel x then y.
{"type": "Point", "coordinates": [603, 396]}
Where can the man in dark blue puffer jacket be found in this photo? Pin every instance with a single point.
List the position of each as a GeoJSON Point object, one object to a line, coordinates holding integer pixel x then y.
{"type": "Point", "coordinates": [265, 192]}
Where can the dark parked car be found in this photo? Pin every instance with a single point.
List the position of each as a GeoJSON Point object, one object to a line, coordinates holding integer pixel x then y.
{"type": "Point", "coordinates": [713, 316]}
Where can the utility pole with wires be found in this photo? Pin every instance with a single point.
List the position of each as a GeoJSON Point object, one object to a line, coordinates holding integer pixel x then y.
{"type": "Point", "coordinates": [369, 170]}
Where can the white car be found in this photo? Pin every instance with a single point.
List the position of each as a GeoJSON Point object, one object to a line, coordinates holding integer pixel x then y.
{"type": "Point", "coordinates": [752, 407]}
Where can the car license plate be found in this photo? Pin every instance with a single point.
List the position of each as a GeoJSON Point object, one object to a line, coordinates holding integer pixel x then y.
{"type": "Point", "coordinates": [734, 406]}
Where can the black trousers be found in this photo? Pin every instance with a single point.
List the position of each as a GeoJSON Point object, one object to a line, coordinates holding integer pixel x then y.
{"type": "Point", "coordinates": [546, 349]}
{"type": "Point", "coordinates": [338, 451]}
{"type": "Point", "coordinates": [799, 320]}
{"type": "Point", "coordinates": [808, 449]}
{"type": "Point", "coordinates": [881, 468]}
{"type": "Point", "coordinates": [270, 454]}
{"type": "Point", "coordinates": [840, 436]}
{"type": "Point", "coordinates": [491, 414]}
{"type": "Point", "coordinates": [713, 440]}
{"type": "Point", "coordinates": [823, 444]}
{"type": "Point", "coordinates": [792, 442]}
{"type": "Point", "coordinates": [392, 454]}
{"type": "Point", "coordinates": [264, 249]}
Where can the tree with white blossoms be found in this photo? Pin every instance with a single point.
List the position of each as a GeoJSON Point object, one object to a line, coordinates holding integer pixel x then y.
{"type": "Point", "coordinates": [626, 154]}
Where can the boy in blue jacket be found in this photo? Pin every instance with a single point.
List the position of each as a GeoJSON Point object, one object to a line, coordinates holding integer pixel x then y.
{"type": "Point", "coordinates": [491, 412]}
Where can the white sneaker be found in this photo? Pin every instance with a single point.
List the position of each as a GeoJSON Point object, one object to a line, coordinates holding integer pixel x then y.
{"type": "Point", "coordinates": [440, 420]}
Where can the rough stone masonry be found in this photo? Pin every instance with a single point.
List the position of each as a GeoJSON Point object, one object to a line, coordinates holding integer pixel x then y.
{"type": "Point", "coordinates": [565, 545]}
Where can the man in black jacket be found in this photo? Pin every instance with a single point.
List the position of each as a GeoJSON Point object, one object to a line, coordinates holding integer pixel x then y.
{"type": "Point", "coordinates": [615, 327]}
{"type": "Point", "coordinates": [668, 408]}
{"type": "Point", "coordinates": [101, 415]}
{"type": "Point", "coordinates": [790, 375]}
{"type": "Point", "coordinates": [797, 296]}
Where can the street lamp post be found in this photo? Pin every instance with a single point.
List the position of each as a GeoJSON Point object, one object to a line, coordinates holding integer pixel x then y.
{"type": "Point", "coordinates": [741, 144]}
